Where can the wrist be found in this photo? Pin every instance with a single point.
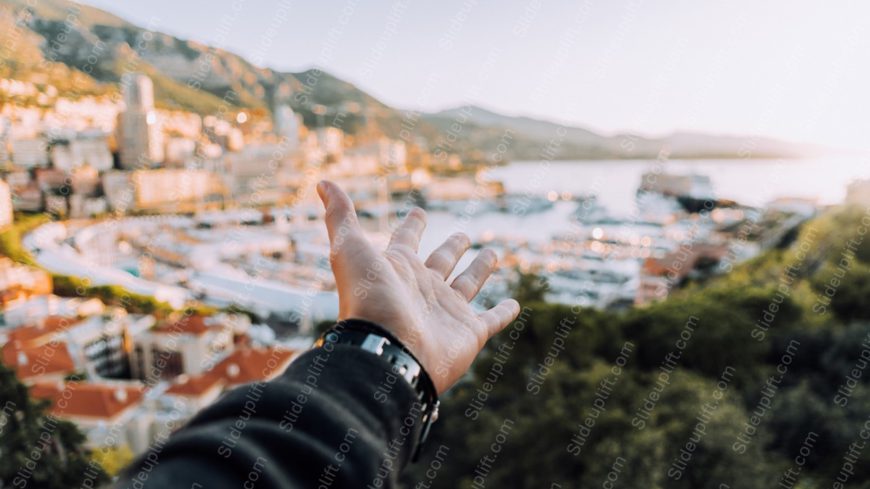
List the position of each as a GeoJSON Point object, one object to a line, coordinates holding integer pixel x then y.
{"type": "Point", "coordinates": [378, 340]}
{"type": "Point", "coordinates": [358, 323]}
{"type": "Point", "coordinates": [404, 329]}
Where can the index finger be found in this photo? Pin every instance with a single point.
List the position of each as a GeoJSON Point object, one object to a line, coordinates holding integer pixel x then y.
{"type": "Point", "coordinates": [341, 220]}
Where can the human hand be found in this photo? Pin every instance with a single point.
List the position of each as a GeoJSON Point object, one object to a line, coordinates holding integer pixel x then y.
{"type": "Point", "coordinates": [409, 297]}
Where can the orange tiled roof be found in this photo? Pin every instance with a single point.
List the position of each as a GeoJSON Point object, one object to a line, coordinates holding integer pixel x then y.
{"type": "Point", "coordinates": [656, 266]}
{"type": "Point", "coordinates": [58, 322]}
{"type": "Point", "coordinates": [12, 293]}
{"type": "Point", "coordinates": [31, 362]}
{"type": "Point", "coordinates": [194, 325]}
{"type": "Point", "coordinates": [254, 364]}
{"type": "Point", "coordinates": [681, 263]}
{"type": "Point", "coordinates": [195, 385]}
{"type": "Point", "coordinates": [90, 400]}
{"type": "Point", "coordinates": [50, 325]}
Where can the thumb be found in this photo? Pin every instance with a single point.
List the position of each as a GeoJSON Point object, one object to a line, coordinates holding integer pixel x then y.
{"type": "Point", "coordinates": [341, 220]}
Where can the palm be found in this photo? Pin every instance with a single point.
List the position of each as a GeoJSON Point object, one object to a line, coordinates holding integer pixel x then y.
{"type": "Point", "coordinates": [409, 297]}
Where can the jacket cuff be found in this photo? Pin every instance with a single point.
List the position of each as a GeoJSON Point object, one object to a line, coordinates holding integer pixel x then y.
{"type": "Point", "coordinates": [367, 387]}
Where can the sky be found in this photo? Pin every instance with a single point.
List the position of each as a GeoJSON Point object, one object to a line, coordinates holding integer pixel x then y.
{"type": "Point", "coordinates": [791, 69]}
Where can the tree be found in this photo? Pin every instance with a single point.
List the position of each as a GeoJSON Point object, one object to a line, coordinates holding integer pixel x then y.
{"type": "Point", "coordinates": [529, 287]}
{"type": "Point", "coordinates": [36, 448]}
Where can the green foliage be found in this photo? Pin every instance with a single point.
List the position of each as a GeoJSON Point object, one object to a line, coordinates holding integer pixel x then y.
{"type": "Point", "coordinates": [76, 377]}
{"type": "Point", "coordinates": [529, 287]}
{"type": "Point", "coordinates": [68, 286]}
{"type": "Point", "coordinates": [843, 290]}
{"type": "Point", "coordinates": [231, 309]}
{"type": "Point", "coordinates": [10, 237]}
{"type": "Point", "coordinates": [175, 95]}
{"type": "Point", "coordinates": [113, 459]}
{"type": "Point", "coordinates": [822, 347]}
{"type": "Point", "coordinates": [38, 449]}
{"type": "Point", "coordinates": [12, 247]}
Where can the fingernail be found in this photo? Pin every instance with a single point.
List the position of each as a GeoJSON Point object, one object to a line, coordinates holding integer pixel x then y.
{"type": "Point", "coordinates": [322, 189]}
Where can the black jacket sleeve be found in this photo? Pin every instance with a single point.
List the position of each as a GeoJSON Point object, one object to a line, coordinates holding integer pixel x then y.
{"type": "Point", "coordinates": [337, 418]}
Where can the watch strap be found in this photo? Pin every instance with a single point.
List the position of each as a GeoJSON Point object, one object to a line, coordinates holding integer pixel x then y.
{"type": "Point", "coordinates": [376, 339]}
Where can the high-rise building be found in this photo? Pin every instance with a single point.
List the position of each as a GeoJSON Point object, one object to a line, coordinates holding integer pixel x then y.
{"type": "Point", "coordinates": [329, 141]}
{"type": "Point", "coordinates": [141, 138]}
{"type": "Point", "coordinates": [5, 204]}
{"type": "Point", "coordinates": [4, 140]}
{"type": "Point", "coordinates": [138, 91]}
{"type": "Point", "coordinates": [287, 126]}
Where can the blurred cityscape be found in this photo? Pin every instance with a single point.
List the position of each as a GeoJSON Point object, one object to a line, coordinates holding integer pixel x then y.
{"type": "Point", "coordinates": [157, 257]}
{"type": "Point", "coordinates": [202, 210]}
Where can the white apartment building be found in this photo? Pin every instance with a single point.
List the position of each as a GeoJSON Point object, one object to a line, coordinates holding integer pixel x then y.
{"type": "Point", "coordinates": [6, 216]}
{"type": "Point", "coordinates": [30, 152]}
{"type": "Point", "coordinates": [86, 148]}
{"type": "Point", "coordinates": [186, 346]}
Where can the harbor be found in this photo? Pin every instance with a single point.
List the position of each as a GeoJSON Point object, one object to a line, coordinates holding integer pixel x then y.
{"type": "Point", "coordinates": [273, 262]}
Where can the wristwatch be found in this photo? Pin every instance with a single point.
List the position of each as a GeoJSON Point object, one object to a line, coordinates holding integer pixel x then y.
{"type": "Point", "coordinates": [375, 339]}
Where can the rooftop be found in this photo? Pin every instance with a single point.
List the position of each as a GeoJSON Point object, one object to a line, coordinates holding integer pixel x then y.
{"type": "Point", "coordinates": [89, 400]}
{"type": "Point", "coordinates": [32, 362]}
{"type": "Point", "coordinates": [254, 364]}
{"type": "Point", "coordinates": [33, 333]}
{"type": "Point", "coordinates": [192, 325]}
{"type": "Point", "coordinates": [196, 385]}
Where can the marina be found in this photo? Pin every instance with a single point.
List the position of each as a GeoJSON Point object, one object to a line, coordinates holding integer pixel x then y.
{"type": "Point", "coordinates": [273, 262]}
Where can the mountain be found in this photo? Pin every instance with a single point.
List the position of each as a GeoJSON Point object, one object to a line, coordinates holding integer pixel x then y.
{"type": "Point", "coordinates": [82, 50]}
{"type": "Point", "coordinates": [57, 39]}
{"type": "Point", "coordinates": [530, 137]}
